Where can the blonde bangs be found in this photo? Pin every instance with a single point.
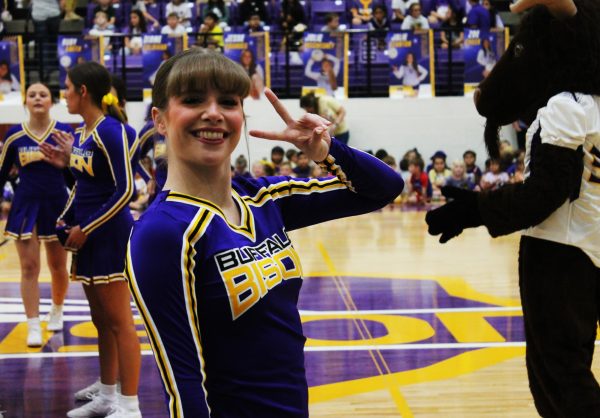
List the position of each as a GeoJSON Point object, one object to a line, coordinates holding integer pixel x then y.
{"type": "Point", "coordinates": [201, 71]}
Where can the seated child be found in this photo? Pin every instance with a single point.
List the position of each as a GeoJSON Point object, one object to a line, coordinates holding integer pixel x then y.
{"type": "Point", "coordinates": [459, 177]}
{"type": "Point", "coordinates": [418, 182]}
{"type": "Point", "coordinates": [285, 169]}
{"type": "Point", "coordinates": [495, 178]}
{"type": "Point", "coordinates": [473, 171]}
{"type": "Point", "coordinates": [253, 24]}
{"type": "Point", "coordinates": [173, 27]}
{"type": "Point", "coordinates": [106, 7]}
{"type": "Point", "coordinates": [302, 168]}
{"type": "Point", "coordinates": [183, 11]}
{"type": "Point", "coordinates": [102, 27]}
{"type": "Point", "coordinates": [437, 176]}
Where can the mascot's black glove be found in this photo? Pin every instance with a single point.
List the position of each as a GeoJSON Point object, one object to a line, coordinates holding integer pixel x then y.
{"type": "Point", "coordinates": [460, 212]}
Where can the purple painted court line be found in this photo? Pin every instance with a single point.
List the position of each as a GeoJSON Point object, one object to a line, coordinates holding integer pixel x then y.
{"type": "Point", "coordinates": [44, 387]}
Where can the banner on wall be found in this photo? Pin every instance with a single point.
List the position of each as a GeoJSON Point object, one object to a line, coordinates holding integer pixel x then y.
{"type": "Point", "coordinates": [73, 50]}
{"type": "Point", "coordinates": [325, 64]}
{"type": "Point", "coordinates": [12, 78]}
{"type": "Point", "coordinates": [251, 51]}
{"type": "Point", "coordinates": [156, 50]}
{"type": "Point", "coordinates": [411, 64]}
{"type": "Point", "coordinates": [482, 51]}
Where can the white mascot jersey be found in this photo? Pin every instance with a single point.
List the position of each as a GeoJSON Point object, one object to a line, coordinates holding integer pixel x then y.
{"type": "Point", "coordinates": [570, 121]}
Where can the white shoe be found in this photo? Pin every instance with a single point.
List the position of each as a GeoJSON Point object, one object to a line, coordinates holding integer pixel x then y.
{"type": "Point", "coordinates": [34, 337]}
{"type": "Point", "coordinates": [99, 405]}
{"type": "Point", "coordinates": [34, 332]}
{"type": "Point", "coordinates": [92, 390]}
{"type": "Point", "coordinates": [89, 392]}
{"type": "Point", "coordinates": [120, 412]}
{"type": "Point", "coordinates": [55, 319]}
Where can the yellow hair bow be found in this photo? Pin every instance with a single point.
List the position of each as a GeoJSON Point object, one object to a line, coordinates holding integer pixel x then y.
{"type": "Point", "coordinates": [110, 99]}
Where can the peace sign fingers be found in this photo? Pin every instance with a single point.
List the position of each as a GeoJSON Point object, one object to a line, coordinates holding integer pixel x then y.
{"type": "Point", "coordinates": [278, 106]}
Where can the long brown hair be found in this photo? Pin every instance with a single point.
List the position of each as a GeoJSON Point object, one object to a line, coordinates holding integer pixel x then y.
{"type": "Point", "coordinates": [97, 81]}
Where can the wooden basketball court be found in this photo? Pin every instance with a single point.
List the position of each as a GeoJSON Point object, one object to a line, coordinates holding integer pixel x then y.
{"type": "Point", "coordinates": [397, 325]}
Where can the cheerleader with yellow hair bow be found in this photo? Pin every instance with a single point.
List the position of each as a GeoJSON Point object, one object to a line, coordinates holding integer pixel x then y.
{"type": "Point", "coordinates": [96, 224]}
{"type": "Point", "coordinates": [110, 106]}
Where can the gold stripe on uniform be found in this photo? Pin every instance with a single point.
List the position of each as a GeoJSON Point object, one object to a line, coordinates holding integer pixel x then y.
{"type": "Point", "coordinates": [134, 146]}
{"type": "Point", "coordinates": [17, 237]}
{"type": "Point", "coordinates": [44, 136]}
{"type": "Point", "coordinates": [69, 202]}
{"type": "Point", "coordinates": [147, 135]}
{"type": "Point", "coordinates": [115, 277]}
{"type": "Point", "coordinates": [8, 141]}
{"type": "Point", "coordinates": [48, 238]}
{"type": "Point", "coordinates": [126, 197]}
{"type": "Point", "coordinates": [162, 360]}
{"type": "Point", "coordinates": [246, 214]}
{"type": "Point", "coordinates": [194, 232]}
{"type": "Point", "coordinates": [292, 187]}
{"type": "Point", "coordinates": [82, 137]}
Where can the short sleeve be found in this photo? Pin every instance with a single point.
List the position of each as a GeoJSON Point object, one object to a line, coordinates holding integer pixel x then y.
{"type": "Point", "coordinates": [563, 122]}
{"type": "Point", "coordinates": [331, 103]}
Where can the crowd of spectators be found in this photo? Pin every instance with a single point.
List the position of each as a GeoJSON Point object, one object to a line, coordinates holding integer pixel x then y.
{"type": "Point", "coordinates": [296, 16]}
{"type": "Point", "coordinates": [137, 17]}
{"type": "Point", "coordinates": [424, 182]}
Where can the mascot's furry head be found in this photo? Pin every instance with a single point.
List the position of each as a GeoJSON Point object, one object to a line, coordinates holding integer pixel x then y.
{"type": "Point", "coordinates": [556, 49]}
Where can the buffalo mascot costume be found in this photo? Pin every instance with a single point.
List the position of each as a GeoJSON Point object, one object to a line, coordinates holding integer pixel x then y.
{"type": "Point", "coordinates": [550, 77]}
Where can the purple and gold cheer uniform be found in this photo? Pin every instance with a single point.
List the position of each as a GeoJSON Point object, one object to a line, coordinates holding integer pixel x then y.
{"type": "Point", "coordinates": [219, 300]}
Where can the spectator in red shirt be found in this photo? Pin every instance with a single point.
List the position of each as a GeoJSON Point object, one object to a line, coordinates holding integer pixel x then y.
{"type": "Point", "coordinates": [417, 185]}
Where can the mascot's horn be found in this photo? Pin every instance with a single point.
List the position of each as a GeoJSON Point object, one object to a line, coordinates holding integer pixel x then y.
{"type": "Point", "coordinates": [561, 9]}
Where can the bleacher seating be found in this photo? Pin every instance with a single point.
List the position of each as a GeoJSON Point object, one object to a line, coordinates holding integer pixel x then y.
{"type": "Point", "coordinates": [71, 26]}
{"type": "Point", "coordinates": [449, 68]}
{"type": "Point", "coordinates": [18, 27]}
{"type": "Point", "coordinates": [320, 8]}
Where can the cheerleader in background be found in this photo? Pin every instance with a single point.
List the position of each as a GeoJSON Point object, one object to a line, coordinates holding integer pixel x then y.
{"type": "Point", "coordinates": [151, 140]}
{"type": "Point", "coordinates": [38, 201]}
{"type": "Point", "coordinates": [96, 224]}
{"type": "Point", "coordinates": [119, 91]}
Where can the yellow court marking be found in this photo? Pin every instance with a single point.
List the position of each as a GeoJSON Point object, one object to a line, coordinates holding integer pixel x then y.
{"type": "Point", "coordinates": [16, 341]}
{"type": "Point", "coordinates": [461, 364]}
{"type": "Point", "coordinates": [400, 330]}
{"type": "Point", "coordinates": [454, 286]}
{"type": "Point", "coordinates": [93, 348]}
{"type": "Point", "coordinates": [400, 401]}
{"type": "Point", "coordinates": [42, 279]}
{"type": "Point", "coordinates": [479, 328]}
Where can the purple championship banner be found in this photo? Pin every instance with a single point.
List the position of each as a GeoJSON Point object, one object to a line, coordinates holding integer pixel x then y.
{"type": "Point", "coordinates": [251, 52]}
{"type": "Point", "coordinates": [73, 50]}
{"type": "Point", "coordinates": [12, 85]}
{"type": "Point", "coordinates": [325, 64]}
{"type": "Point", "coordinates": [411, 64]}
{"type": "Point", "coordinates": [156, 50]}
{"type": "Point", "coordinates": [482, 50]}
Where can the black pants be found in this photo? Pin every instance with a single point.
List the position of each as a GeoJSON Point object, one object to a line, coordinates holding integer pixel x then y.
{"type": "Point", "coordinates": [560, 293]}
{"type": "Point", "coordinates": [46, 32]}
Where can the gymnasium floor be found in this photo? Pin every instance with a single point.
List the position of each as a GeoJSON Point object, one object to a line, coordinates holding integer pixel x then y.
{"type": "Point", "coordinates": [397, 325]}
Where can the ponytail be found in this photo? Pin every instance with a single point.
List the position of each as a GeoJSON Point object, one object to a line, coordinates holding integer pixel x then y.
{"type": "Point", "coordinates": [110, 106]}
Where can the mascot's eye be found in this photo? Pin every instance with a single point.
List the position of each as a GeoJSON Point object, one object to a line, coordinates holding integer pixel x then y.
{"type": "Point", "coordinates": [518, 51]}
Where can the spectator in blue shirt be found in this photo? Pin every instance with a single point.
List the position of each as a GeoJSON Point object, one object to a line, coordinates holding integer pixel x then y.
{"type": "Point", "coordinates": [478, 17]}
